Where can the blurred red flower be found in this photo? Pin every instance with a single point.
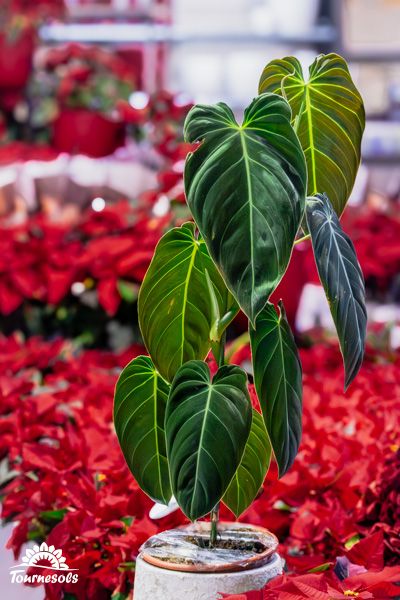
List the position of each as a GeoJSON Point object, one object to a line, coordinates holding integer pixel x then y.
{"type": "Point", "coordinates": [68, 482]}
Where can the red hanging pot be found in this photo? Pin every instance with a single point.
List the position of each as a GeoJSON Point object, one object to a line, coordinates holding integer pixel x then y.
{"type": "Point", "coordinates": [87, 132]}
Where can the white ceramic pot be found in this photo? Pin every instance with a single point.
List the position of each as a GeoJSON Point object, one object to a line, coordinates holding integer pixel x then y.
{"type": "Point", "coordinates": [294, 17]}
{"type": "Point", "coordinates": [179, 565]}
{"type": "Point", "coordinates": [162, 584]}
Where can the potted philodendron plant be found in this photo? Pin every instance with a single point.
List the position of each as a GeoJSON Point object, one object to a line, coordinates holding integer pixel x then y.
{"type": "Point", "coordinates": [255, 190]}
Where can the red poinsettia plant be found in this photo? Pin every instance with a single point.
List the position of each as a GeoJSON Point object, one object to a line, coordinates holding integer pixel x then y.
{"type": "Point", "coordinates": [158, 118]}
{"type": "Point", "coordinates": [100, 258]}
{"type": "Point", "coordinates": [64, 479]}
{"type": "Point", "coordinates": [76, 76]}
{"type": "Point", "coordinates": [18, 23]}
{"type": "Point", "coordinates": [18, 16]}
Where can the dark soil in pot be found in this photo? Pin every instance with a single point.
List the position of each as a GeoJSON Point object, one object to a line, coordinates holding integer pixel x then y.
{"type": "Point", "coordinates": [238, 547]}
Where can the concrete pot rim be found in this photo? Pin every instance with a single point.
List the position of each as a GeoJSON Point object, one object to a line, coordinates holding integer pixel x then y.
{"type": "Point", "coordinates": [255, 561]}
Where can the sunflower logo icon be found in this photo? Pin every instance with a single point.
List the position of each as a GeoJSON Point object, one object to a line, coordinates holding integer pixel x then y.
{"type": "Point", "coordinates": [52, 557]}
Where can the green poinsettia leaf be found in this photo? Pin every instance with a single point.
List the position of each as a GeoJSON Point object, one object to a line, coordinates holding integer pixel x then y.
{"type": "Point", "coordinates": [139, 412]}
{"type": "Point", "coordinates": [176, 315]}
{"type": "Point", "coordinates": [207, 425]}
{"type": "Point", "coordinates": [252, 470]}
{"type": "Point", "coordinates": [329, 118]}
{"type": "Point", "coordinates": [277, 378]}
{"type": "Point", "coordinates": [245, 186]}
{"type": "Point", "coordinates": [342, 278]}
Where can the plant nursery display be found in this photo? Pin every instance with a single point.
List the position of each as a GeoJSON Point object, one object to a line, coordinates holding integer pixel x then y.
{"type": "Point", "coordinates": [64, 479]}
{"type": "Point", "coordinates": [18, 22]}
{"type": "Point", "coordinates": [77, 88]}
{"type": "Point", "coordinates": [255, 190]}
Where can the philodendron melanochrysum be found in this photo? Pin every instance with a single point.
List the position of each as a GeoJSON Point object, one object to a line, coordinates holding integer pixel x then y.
{"type": "Point", "coordinates": [253, 188]}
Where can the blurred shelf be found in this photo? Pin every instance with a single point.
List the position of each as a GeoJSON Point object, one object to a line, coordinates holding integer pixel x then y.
{"type": "Point", "coordinates": [97, 13]}
{"type": "Point", "coordinates": [153, 33]}
{"type": "Point", "coordinates": [382, 159]}
{"type": "Point", "coordinates": [377, 56]}
{"type": "Point", "coordinates": [381, 142]}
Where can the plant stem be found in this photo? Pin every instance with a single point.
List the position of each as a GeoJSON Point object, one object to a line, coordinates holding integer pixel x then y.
{"type": "Point", "coordinates": [221, 354]}
{"type": "Point", "coordinates": [240, 341]}
{"type": "Point", "coordinates": [214, 516]}
{"type": "Point", "coordinates": [302, 239]}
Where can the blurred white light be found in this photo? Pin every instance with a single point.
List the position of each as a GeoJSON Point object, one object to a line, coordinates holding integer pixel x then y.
{"type": "Point", "coordinates": [385, 313]}
{"type": "Point", "coordinates": [161, 207]}
{"type": "Point", "coordinates": [77, 288]}
{"type": "Point", "coordinates": [139, 100]}
{"type": "Point", "coordinates": [178, 166]}
{"type": "Point", "coordinates": [313, 309]}
{"type": "Point", "coordinates": [182, 99]}
{"type": "Point", "coordinates": [98, 204]}
{"type": "Point", "coordinates": [395, 337]}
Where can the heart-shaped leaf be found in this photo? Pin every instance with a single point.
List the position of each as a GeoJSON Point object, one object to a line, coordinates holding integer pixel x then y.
{"type": "Point", "coordinates": [139, 412]}
{"type": "Point", "coordinates": [250, 475]}
{"type": "Point", "coordinates": [277, 378]}
{"type": "Point", "coordinates": [176, 314]}
{"type": "Point", "coordinates": [207, 425]}
{"type": "Point", "coordinates": [245, 186]}
{"type": "Point", "coordinates": [329, 118]}
{"type": "Point", "coordinates": [342, 278]}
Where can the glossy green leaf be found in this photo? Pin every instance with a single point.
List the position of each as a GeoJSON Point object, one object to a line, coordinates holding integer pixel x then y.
{"type": "Point", "coordinates": [245, 186]}
{"type": "Point", "coordinates": [329, 117]}
{"type": "Point", "coordinates": [139, 414]}
{"type": "Point", "coordinates": [207, 426]}
{"type": "Point", "coordinates": [277, 378]}
{"type": "Point", "coordinates": [342, 278]}
{"type": "Point", "coordinates": [176, 315]}
{"type": "Point", "coordinates": [250, 475]}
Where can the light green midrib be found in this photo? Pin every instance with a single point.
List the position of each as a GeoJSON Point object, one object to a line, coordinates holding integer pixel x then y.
{"type": "Point", "coordinates": [351, 295]}
{"type": "Point", "coordinates": [305, 108]}
{"type": "Point", "coordinates": [311, 135]}
{"type": "Point", "coordinates": [156, 433]}
{"type": "Point", "coordinates": [203, 426]}
{"type": "Point", "coordinates": [249, 197]}
{"type": "Point", "coordinates": [238, 489]}
{"type": "Point", "coordinates": [283, 372]}
{"type": "Point", "coordinates": [185, 296]}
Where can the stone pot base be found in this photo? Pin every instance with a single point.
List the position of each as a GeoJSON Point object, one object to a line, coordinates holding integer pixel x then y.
{"type": "Point", "coordinates": [154, 583]}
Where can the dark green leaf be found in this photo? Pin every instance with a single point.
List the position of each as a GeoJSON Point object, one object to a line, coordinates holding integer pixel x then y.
{"type": "Point", "coordinates": [342, 278]}
{"type": "Point", "coordinates": [139, 413]}
{"type": "Point", "coordinates": [245, 186]}
{"type": "Point", "coordinates": [176, 315]}
{"type": "Point", "coordinates": [329, 117]}
{"type": "Point", "coordinates": [250, 475]}
{"type": "Point", "coordinates": [277, 378]}
{"type": "Point", "coordinates": [207, 425]}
